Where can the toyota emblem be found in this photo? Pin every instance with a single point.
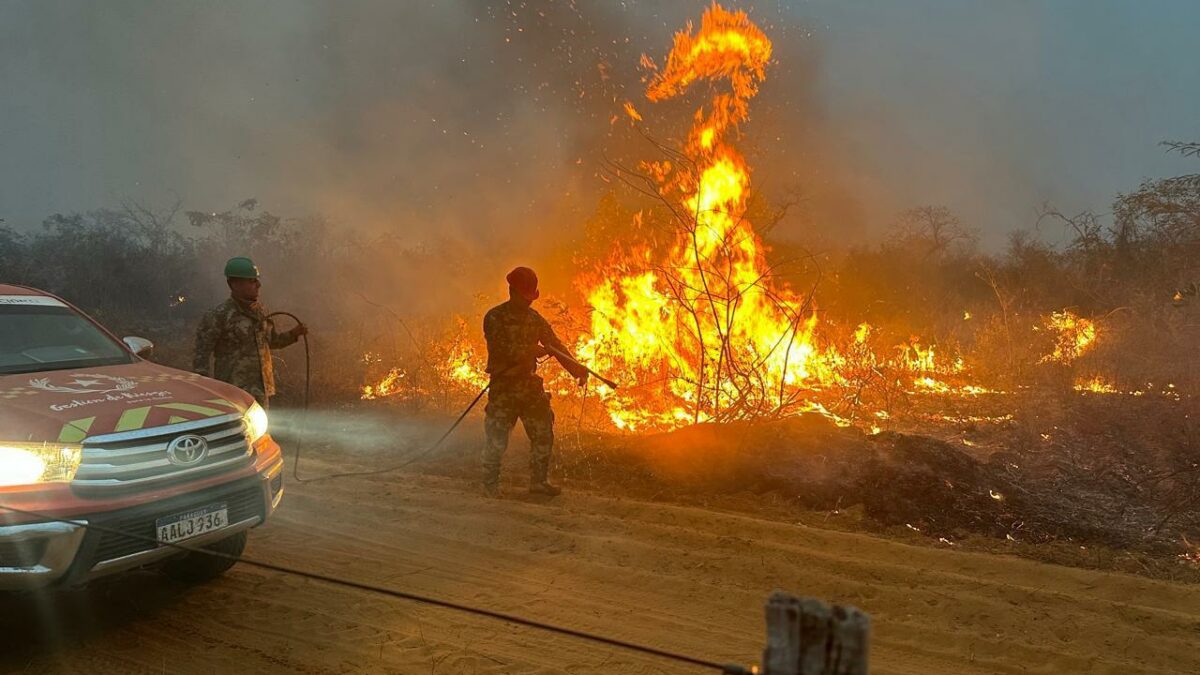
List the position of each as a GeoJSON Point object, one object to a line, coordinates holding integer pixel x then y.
{"type": "Point", "coordinates": [187, 450]}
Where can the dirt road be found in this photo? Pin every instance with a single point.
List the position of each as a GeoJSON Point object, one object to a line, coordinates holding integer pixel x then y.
{"type": "Point", "coordinates": [680, 578]}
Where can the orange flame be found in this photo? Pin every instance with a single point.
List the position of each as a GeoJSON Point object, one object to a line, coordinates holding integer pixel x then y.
{"type": "Point", "coordinates": [1073, 336]}
{"type": "Point", "coordinates": [453, 364]}
{"type": "Point", "coordinates": [705, 321]}
{"type": "Point", "coordinates": [698, 326]}
{"type": "Point", "coordinates": [389, 385]}
{"type": "Point", "coordinates": [1096, 385]}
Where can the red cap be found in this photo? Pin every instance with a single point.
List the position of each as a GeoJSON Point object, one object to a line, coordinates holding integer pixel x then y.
{"type": "Point", "coordinates": [525, 282]}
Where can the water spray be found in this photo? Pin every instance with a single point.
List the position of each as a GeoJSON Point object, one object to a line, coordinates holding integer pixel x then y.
{"type": "Point", "coordinates": [304, 420]}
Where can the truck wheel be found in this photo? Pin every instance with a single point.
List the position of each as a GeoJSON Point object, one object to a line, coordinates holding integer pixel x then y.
{"type": "Point", "coordinates": [197, 567]}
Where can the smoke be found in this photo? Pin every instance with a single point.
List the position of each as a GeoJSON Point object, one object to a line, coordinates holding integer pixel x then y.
{"type": "Point", "coordinates": [480, 123]}
{"type": "Point", "coordinates": [479, 127]}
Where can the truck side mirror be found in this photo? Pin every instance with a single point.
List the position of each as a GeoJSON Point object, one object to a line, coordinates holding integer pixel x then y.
{"type": "Point", "coordinates": [139, 345]}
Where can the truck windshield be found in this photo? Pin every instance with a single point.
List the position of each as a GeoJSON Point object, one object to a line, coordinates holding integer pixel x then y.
{"type": "Point", "coordinates": [35, 338]}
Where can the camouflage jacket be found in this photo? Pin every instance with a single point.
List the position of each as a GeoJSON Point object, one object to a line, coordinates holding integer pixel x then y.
{"type": "Point", "coordinates": [238, 340]}
{"type": "Point", "coordinates": [513, 331]}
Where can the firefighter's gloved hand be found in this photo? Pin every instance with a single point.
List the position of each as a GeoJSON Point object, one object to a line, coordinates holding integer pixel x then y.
{"type": "Point", "coordinates": [299, 330]}
{"type": "Point", "coordinates": [579, 373]}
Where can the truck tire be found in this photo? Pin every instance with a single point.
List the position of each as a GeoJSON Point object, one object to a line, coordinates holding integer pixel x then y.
{"type": "Point", "coordinates": [197, 567]}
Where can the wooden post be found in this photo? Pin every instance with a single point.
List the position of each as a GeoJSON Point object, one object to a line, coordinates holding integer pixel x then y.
{"type": "Point", "coordinates": [808, 637]}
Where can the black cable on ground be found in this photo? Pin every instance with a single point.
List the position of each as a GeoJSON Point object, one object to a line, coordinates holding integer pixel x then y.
{"type": "Point", "coordinates": [301, 435]}
{"type": "Point", "coordinates": [731, 669]}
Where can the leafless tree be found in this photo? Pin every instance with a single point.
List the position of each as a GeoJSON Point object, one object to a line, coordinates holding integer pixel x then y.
{"type": "Point", "coordinates": [933, 231]}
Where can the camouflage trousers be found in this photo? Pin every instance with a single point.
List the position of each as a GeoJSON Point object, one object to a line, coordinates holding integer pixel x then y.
{"type": "Point", "coordinates": [508, 402]}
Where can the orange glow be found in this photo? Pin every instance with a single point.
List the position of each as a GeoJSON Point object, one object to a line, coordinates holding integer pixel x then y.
{"type": "Point", "coordinates": [454, 364]}
{"type": "Point", "coordinates": [704, 320]}
{"type": "Point", "coordinates": [464, 366]}
{"type": "Point", "coordinates": [1096, 385]}
{"type": "Point", "coordinates": [388, 386]}
{"type": "Point", "coordinates": [697, 324]}
{"type": "Point", "coordinates": [1073, 336]}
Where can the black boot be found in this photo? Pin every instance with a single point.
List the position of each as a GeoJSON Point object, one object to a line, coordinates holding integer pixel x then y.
{"type": "Point", "coordinates": [543, 487]}
{"type": "Point", "coordinates": [491, 481]}
{"type": "Point", "coordinates": [538, 485]}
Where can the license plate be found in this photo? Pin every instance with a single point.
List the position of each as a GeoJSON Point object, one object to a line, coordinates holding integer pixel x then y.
{"type": "Point", "coordinates": [193, 523]}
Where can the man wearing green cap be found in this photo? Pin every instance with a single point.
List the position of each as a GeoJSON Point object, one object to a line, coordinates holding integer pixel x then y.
{"type": "Point", "coordinates": [235, 338]}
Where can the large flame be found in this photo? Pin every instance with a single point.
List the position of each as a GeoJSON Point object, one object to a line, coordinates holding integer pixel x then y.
{"type": "Point", "coordinates": [699, 326]}
{"type": "Point", "coordinates": [705, 326]}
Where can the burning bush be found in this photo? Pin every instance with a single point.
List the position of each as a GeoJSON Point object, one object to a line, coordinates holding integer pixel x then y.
{"type": "Point", "coordinates": [702, 321]}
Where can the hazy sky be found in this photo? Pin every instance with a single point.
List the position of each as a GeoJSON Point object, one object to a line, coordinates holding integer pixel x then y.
{"type": "Point", "coordinates": [458, 118]}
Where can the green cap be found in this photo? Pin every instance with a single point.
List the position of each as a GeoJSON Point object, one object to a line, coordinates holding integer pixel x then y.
{"type": "Point", "coordinates": [240, 268]}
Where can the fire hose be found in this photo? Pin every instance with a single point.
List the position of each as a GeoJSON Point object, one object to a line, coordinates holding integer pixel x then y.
{"type": "Point", "coordinates": [563, 355]}
{"type": "Point", "coordinates": [301, 434]}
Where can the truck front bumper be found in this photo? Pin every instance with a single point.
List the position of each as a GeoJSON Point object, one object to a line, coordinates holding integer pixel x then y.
{"type": "Point", "coordinates": [35, 555]}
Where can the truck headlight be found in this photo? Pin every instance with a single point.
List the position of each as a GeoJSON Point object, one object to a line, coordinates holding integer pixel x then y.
{"type": "Point", "coordinates": [32, 463]}
{"type": "Point", "coordinates": [256, 422]}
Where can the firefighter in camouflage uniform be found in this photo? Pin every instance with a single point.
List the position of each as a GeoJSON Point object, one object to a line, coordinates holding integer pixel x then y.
{"type": "Point", "coordinates": [235, 338]}
{"type": "Point", "coordinates": [516, 335]}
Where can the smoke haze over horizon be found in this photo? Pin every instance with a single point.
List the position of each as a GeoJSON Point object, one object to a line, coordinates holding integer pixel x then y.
{"type": "Point", "coordinates": [486, 123]}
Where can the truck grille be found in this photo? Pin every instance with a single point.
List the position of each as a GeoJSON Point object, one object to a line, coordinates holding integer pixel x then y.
{"type": "Point", "coordinates": [244, 504]}
{"type": "Point", "coordinates": [140, 458]}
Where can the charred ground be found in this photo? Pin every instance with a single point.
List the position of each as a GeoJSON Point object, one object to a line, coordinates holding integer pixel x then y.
{"type": "Point", "coordinates": [1085, 499]}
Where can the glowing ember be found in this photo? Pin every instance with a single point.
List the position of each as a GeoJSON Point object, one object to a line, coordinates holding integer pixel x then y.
{"type": "Point", "coordinates": [970, 419]}
{"type": "Point", "coordinates": [932, 385]}
{"type": "Point", "coordinates": [929, 385]}
{"type": "Point", "coordinates": [1096, 385]}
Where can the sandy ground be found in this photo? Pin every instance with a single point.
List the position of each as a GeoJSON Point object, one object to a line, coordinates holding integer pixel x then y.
{"type": "Point", "coordinates": [680, 578]}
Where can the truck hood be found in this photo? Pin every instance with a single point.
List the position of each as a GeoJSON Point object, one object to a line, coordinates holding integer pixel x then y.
{"type": "Point", "coordinates": [70, 405]}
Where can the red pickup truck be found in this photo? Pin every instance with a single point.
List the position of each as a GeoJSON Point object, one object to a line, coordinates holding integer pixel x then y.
{"type": "Point", "coordinates": [92, 433]}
